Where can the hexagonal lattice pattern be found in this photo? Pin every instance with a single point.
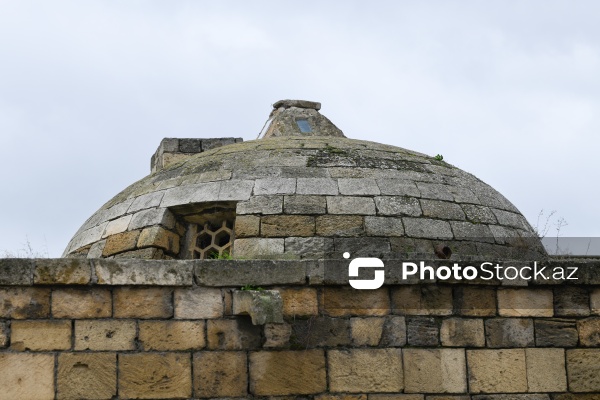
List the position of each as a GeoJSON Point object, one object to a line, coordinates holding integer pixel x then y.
{"type": "Point", "coordinates": [212, 241]}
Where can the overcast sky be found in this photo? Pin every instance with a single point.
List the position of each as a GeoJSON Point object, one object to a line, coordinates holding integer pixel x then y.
{"type": "Point", "coordinates": [506, 90]}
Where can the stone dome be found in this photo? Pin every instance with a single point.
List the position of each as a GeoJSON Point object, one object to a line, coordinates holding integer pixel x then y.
{"type": "Point", "coordinates": [302, 191]}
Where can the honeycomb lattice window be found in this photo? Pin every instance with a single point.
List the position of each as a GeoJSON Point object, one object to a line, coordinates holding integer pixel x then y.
{"type": "Point", "coordinates": [212, 240]}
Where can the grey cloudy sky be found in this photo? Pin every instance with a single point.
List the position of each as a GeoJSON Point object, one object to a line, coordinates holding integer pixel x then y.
{"type": "Point", "coordinates": [506, 90]}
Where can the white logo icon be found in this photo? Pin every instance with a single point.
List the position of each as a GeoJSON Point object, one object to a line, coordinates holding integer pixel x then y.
{"type": "Point", "coordinates": [360, 262]}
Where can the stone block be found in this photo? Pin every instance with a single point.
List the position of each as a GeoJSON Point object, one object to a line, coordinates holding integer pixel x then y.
{"type": "Point", "coordinates": [441, 210]}
{"type": "Point", "coordinates": [365, 370]}
{"type": "Point", "coordinates": [277, 335]}
{"type": "Point", "coordinates": [61, 271]}
{"type": "Point", "coordinates": [96, 249]}
{"type": "Point", "coordinates": [321, 186]}
{"type": "Point", "coordinates": [308, 247]}
{"type": "Point", "coordinates": [178, 195]}
{"type": "Point", "coordinates": [155, 375]}
{"type": "Point", "coordinates": [427, 228]}
{"type": "Point", "coordinates": [171, 335]}
{"type": "Point", "coordinates": [233, 334]}
{"type": "Point", "coordinates": [209, 144]}
{"type": "Point", "coordinates": [479, 214]}
{"type": "Point", "coordinates": [435, 191]}
{"type": "Point", "coordinates": [589, 332]}
{"type": "Point", "coordinates": [555, 333]}
{"type": "Point", "coordinates": [461, 332]}
{"type": "Point", "coordinates": [511, 219]}
{"type": "Point", "coordinates": [190, 145]}
{"type": "Point", "coordinates": [235, 189]}
{"type": "Point", "coordinates": [149, 200]}
{"type": "Point", "coordinates": [571, 301]}
{"type": "Point", "coordinates": [595, 301]}
{"type": "Point", "coordinates": [230, 273]}
{"type": "Point", "coordinates": [422, 300]}
{"type": "Point", "coordinates": [263, 306]}
{"type": "Point", "coordinates": [394, 332]}
{"type": "Point", "coordinates": [120, 242]}
{"type": "Point", "coordinates": [299, 302]}
{"type": "Point", "coordinates": [475, 301]}
{"type": "Point", "coordinates": [307, 205]}
{"type": "Point", "coordinates": [24, 303]}
{"type": "Point", "coordinates": [466, 397]}
{"type": "Point", "coordinates": [525, 303]}
{"type": "Point", "coordinates": [40, 335]}
{"type": "Point", "coordinates": [27, 376]}
{"type": "Point", "coordinates": [258, 247]}
{"type": "Point", "coordinates": [342, 397]}
{"type": "Point", "coordinates": [350, 205]}
{"type": "Point", "coordinates": [3, 334]}
{"type": "Point", "coordinates": [384, 226]}
{"type": "Point", "coordinates": [281, 373]}
{"type": "Point", "coordinates": [118, 225]}
{"type": "Point", "coordinates": [363, 246]}
{"type": "Point", "coordinates": [275, 186]}
{"type": "Point", "coordinates": [546, 370]}
{"type": "Point", "coordinates": [247, 226]}
{"type": "Point", "coordinates": [340, 302]}
{"type": "Point", "coordinates": [143, 302]}
{"type": "Point", "coordinates": [422, 331]}
{"type": "Point", "coordinates": [398, 187]}
{"type": "Point", "coordinates": [219, 374]}
{"type": "Point", "coordinates": [497, 371]}
{"type": "Point", "coordinates": [16, 271]}
{"type": "Point", "coordinates": [583, 367]}
{"type": "Point", "coordinates": [159, 237]}
{"type": "Point", "coordinates": [287, 225]}
{"type": "Point", "coordinates": [513, 397]}
{"type": "Point", "coordinates": [398, 206]}
{"type": "Point", "coordinates": [144, 272]}
{"type": "Point", "coordinates": [320, 332]}
{"type": "Point", "coordinates": [435, 371]}
{"type": "Point", "coordinates": [466, 230]}
{"type": "Point", "coordinates": [198, 303]}
{"type": "Point", "coordinates": [366, 331]}
{"type": "Point", "coordinates": [87, 375]}
{"type": "Point", "coordinates": [358, 186]}
{"type": "Point", "coordinates": [340, 225]}
{"type": "Point", "coordinates": [509, 332]}
{"type": "Point", "coordinates": [402, 397]}
{"type": "Point", "coordinates": [105, 335]}
{"type": "Point", "coordinates": [261, 205]}
{"type": "Point", "coordinates": [151, 217]}
{"type": "Point", "coordinates": [78, 303]}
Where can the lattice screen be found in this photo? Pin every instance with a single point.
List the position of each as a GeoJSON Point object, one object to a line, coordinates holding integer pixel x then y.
{"type": "Point", "coordinates": [211, 240]}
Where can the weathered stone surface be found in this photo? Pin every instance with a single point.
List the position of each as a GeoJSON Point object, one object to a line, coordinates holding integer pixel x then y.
{"type": "Point", "coordinates": [171, 335]}
{"type": "Point", "coordinates": [365, 370]}
{"type": "Point", "coordinates": [3, 335]}
{"type": "Point", "coordinates": [366, 331]}
{"type": "Point", "coordinates": [509, 332]}
{"type": "Point", "coordinates": [151, 217]}
{"type": "Point", "coordinates": [258, 247]}
{"type": "Point", "coordinates": [233, 334]}
{"type": "Point", "coordinates": [220, 374]}
{"type": "Point", "coordinates": [427, 228]}
{"type": "Point", "coordinates": [287, 225]}
{"type": "Point", "coordinates": [247, 226]}
{"type": "Point", "coordinates": [40, 335]}
{"type": "Point", "coordinates": [546, 370]}
{"type": "Point", "coordinates": [343, 397]}
{"type": "Point", "coordinates": [400, 206]}
{"type": "Point", "coordinates": [96, 249]}
{"type": "Point", "coordinates": [321, 186]}
{"type": "Point", "coordinates": [422, 331]}
{"type": "Point", "coordinates": [235, 189]}
{"type": "Point", "coordinates": [583, 366]}
{"type": "Point", "coordinates": [143, 272]}
{"type": "Point", "coordinates": [148, 200]}
{"type": "Point", "coordinates": [251, 272]}
{"type": "Point", "coordinates": [277, 335]}
{"type": "Point", "coordinates": [525, 303]}
{"type": "Point", "coordinates": [274, 373]}
{"type": "Point", "coordinates": [589, 332]}
{"type": "Point", "coordinates": [23, 303]}
{"type": "Point", "coordinates": [155, 375]}
{"type": "Point", "coordinates": [513, 397]}
{"type": "Point", "coordinates": [105, 335]}
{"type": "Point", "coordinates": [394, 332]}
{"type": "Point", "coordinates": [475, 301]}
{"type": "Point", "coordinates": [320, 332]}
{"type": "Point", "coordinates": [350, 205]}
{"type": "Point", "coordinates": [465, 230]}
{"type": "Point", "coordinates": [511, 219]}
{"type": "Point", "coordinates": [263, 306]}
{"type": "Point", "coordinates": [64, 271]}
{"type": "Point", "coordinates": [297, 103]}
{"type": "Point", "coordinates": [402, 397]}
{"type": "Point", "coordinates": [16, 271]}
{"type": "Point", "coordinates": [260, 205]}
{"type": "Point", "coordinates": [497, 371]}
{"type": "Point", "coordinates": [422, 300]}
{"type": "Point", "coordinates": [27, 376]}
{"type": "Point", "coordinates": [157, 236]}
{"type": "Point", "coordinates": [461, 332]}
{"type": "Point", "coordinates": [308, 247]}
{"type": "Point", "coordinates": [304, 205]}
{"type": "Point", "coordinates": [198, 303]}
{"type": "Point", "coordinates": [435, 371]}
{"type": "Point", "coordinates": [339, 302]}
{"type": "Point", "coordinates": [299, 302]}
{"type": "Point", "coordinates": [78, 303]}
{"type": "Point", "coordinates": [118, 225]}
{"type": "Point", "coordinates": [571, 302]}
{"type": "Point", "coordinates": [340, 225]}
{"type": "Point", "coordinates": [555, 333]}
{"type": "Point", "coordinates": [358, 186]}
{"type": "Point", "coordinates": [398, 187]}
{"type": "Point", "coordinates": [384, 226]}
{"type": "Point", "coordinates": [120, 242]}
{"type": "Point", "coordinates": [441, 209]}
{"type": "Point", "coordinates": [479, 214]}
{"type": "Point", "coordinates": [363, 246]}
{"type": "Point", "coordinates": [275, 186]}
{"type": "Point", "coordinates": [143, 302]}
{"type": "Point", "coordinates": [87, 375]}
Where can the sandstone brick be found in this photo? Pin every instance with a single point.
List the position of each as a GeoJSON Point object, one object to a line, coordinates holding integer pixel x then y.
{"type": "Point", "coordinates": [509, 332]}
{"type": "Point", "coordinates": [394, 332]}
{"type": "Point", "coordinates": [157, 236]}
{"type": "Point", "coordinates": [512, 397]}
{"type": "Point", "coordinates": [427, 228]}
{"type": "Point", "coordinates": [120, 242]}
{"type": "Point", "coordinates": [546, 370]}
{"type": "Point", "coordinates": [442, 209]}
{"type": "Point", "coordinates": [435, 370]}
{"type": "Point", "coordinates": [247, 226]}
{"type": "Point", "coordinates": [396, 205]}
{"type": "Point", "coordinates": [220, 374]}
{"type": "Point", "coordinates": [3, 334]}
{"type": "Point", "coordinates": [155, 375]}
{"type": "Point", "coordinates": [260, 205]}
{"type": "Point", "coordinates": [143, 302]}
{"type": "Point", "coordinates": [525, 303]}
{"type": "Point", "coordinates": [422, 300]}
{"type": "Point", "coordinates": [198, 303]}
{"type": "Point", "coordinates": [299, 302]}
{"type": "Point", "coordinates": [365, 370]}
{"type": "Point", "coordinates": [87, 375]}
{"type": "Point", "coordinates": [555, 333]}
{"type": "Point", "coordinates": [366, 331]}
{"type": "Point", "coordinates": [171, 335]}
{"type": "Point", "coordinates": [401, 397]}
{"type": "Point", "coordinates": [16, 271]}
{"type": "Point", "coordinates": [78, 303]}
{"type": "Point", "coordinates": [153, 216]}
{"type": "Point", "coordinates": [269, 186]}
{"type": "Point", "coordinates": [448, 397]}
{"type": "Point", "coordinates": [475, 301]}
{"type": "Point", "coordinates": [358, 186]}
{"type": "Point", "coordinates": [118, 225]}
{"type": "Point", "coordinates": [595, 301]}
{"type": "Point", "coordinates": [589, 332]}
{"type": "Point", "coordinates": [258, 247]}
{"type": "Point", "coordinates": [497, 371]}
{"type": "Point", "coordinates": [313, 247]}
{"type": "Point", "coordinates": [143, 272]}
{"type": "Point", "coordinates": [277, 335]}
{"type": "Point", "coordinates": [64, 271]}
{"type": "Point", "coordinates": [233, 334]}
{"type": "Point", "coordinates": [27, 376]}
{"type": "Point", "coordinates": [322, 186]}
{"type": "Point", "coordinates": [23, 303]}
{"type": "Point", "coordinates": [571, 301]}
{"type": "Point", "coordinates": [422, 331]}
{"type": "Point", "coordinates": [304, 205]}
{"type": "Point", "coordinates": [384, 226]}
{"type": "Point", "coordinates": [321, 331]}
{"type": "Point", "coordinates": [287, 225]}
{"type": "Point", "coordinates": [276, 373]}
{"type": "Point", "coordinates": [341, 397]}
{"type": "Point", "coordinates": [350, 205]}
{"type": "Point", "coordinates": [583, 366]}
{"type": "Point", "coordinates": [40, 335]}
{"type": "Point", "coordinates": [339, 225]}
{"type": "Point", "coordinates": [338, 302]}
{"type": "Point", "coordinates": [105, 335]}
{"type": "Point", "coordinates": [460, 332]}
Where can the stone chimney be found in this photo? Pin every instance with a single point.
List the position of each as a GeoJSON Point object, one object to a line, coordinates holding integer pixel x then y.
{"type": "Point", "coordinates": [299, 118]}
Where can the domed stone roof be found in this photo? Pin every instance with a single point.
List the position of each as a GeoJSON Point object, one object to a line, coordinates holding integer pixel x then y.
{"type": "Point", "coordinates": [302, 191]}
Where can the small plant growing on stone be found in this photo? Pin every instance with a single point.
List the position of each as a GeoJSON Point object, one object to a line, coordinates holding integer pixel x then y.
{"type": "Point", "coordinates": [225, 256]}
{"type": "Point", "coordinates": [439, 157]}
{"type": "Point", "coordinates": [251, 287]}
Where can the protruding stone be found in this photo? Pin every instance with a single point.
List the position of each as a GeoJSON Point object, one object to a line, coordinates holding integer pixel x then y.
{"type": "Point", "coordinates": [263, 306]}
{"type": "Point", "coordinates": [297, 103]}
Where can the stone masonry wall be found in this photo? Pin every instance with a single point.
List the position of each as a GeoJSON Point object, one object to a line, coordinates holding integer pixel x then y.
{"type": "Point", "coordinates": [129, 329]}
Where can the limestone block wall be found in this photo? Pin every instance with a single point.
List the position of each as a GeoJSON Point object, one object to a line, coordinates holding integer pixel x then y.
{"type": "Point", "coordinates": [141, 329]}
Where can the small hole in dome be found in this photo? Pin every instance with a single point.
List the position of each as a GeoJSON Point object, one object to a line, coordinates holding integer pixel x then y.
{"type": "Point", "coordinates": [303, 125]}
